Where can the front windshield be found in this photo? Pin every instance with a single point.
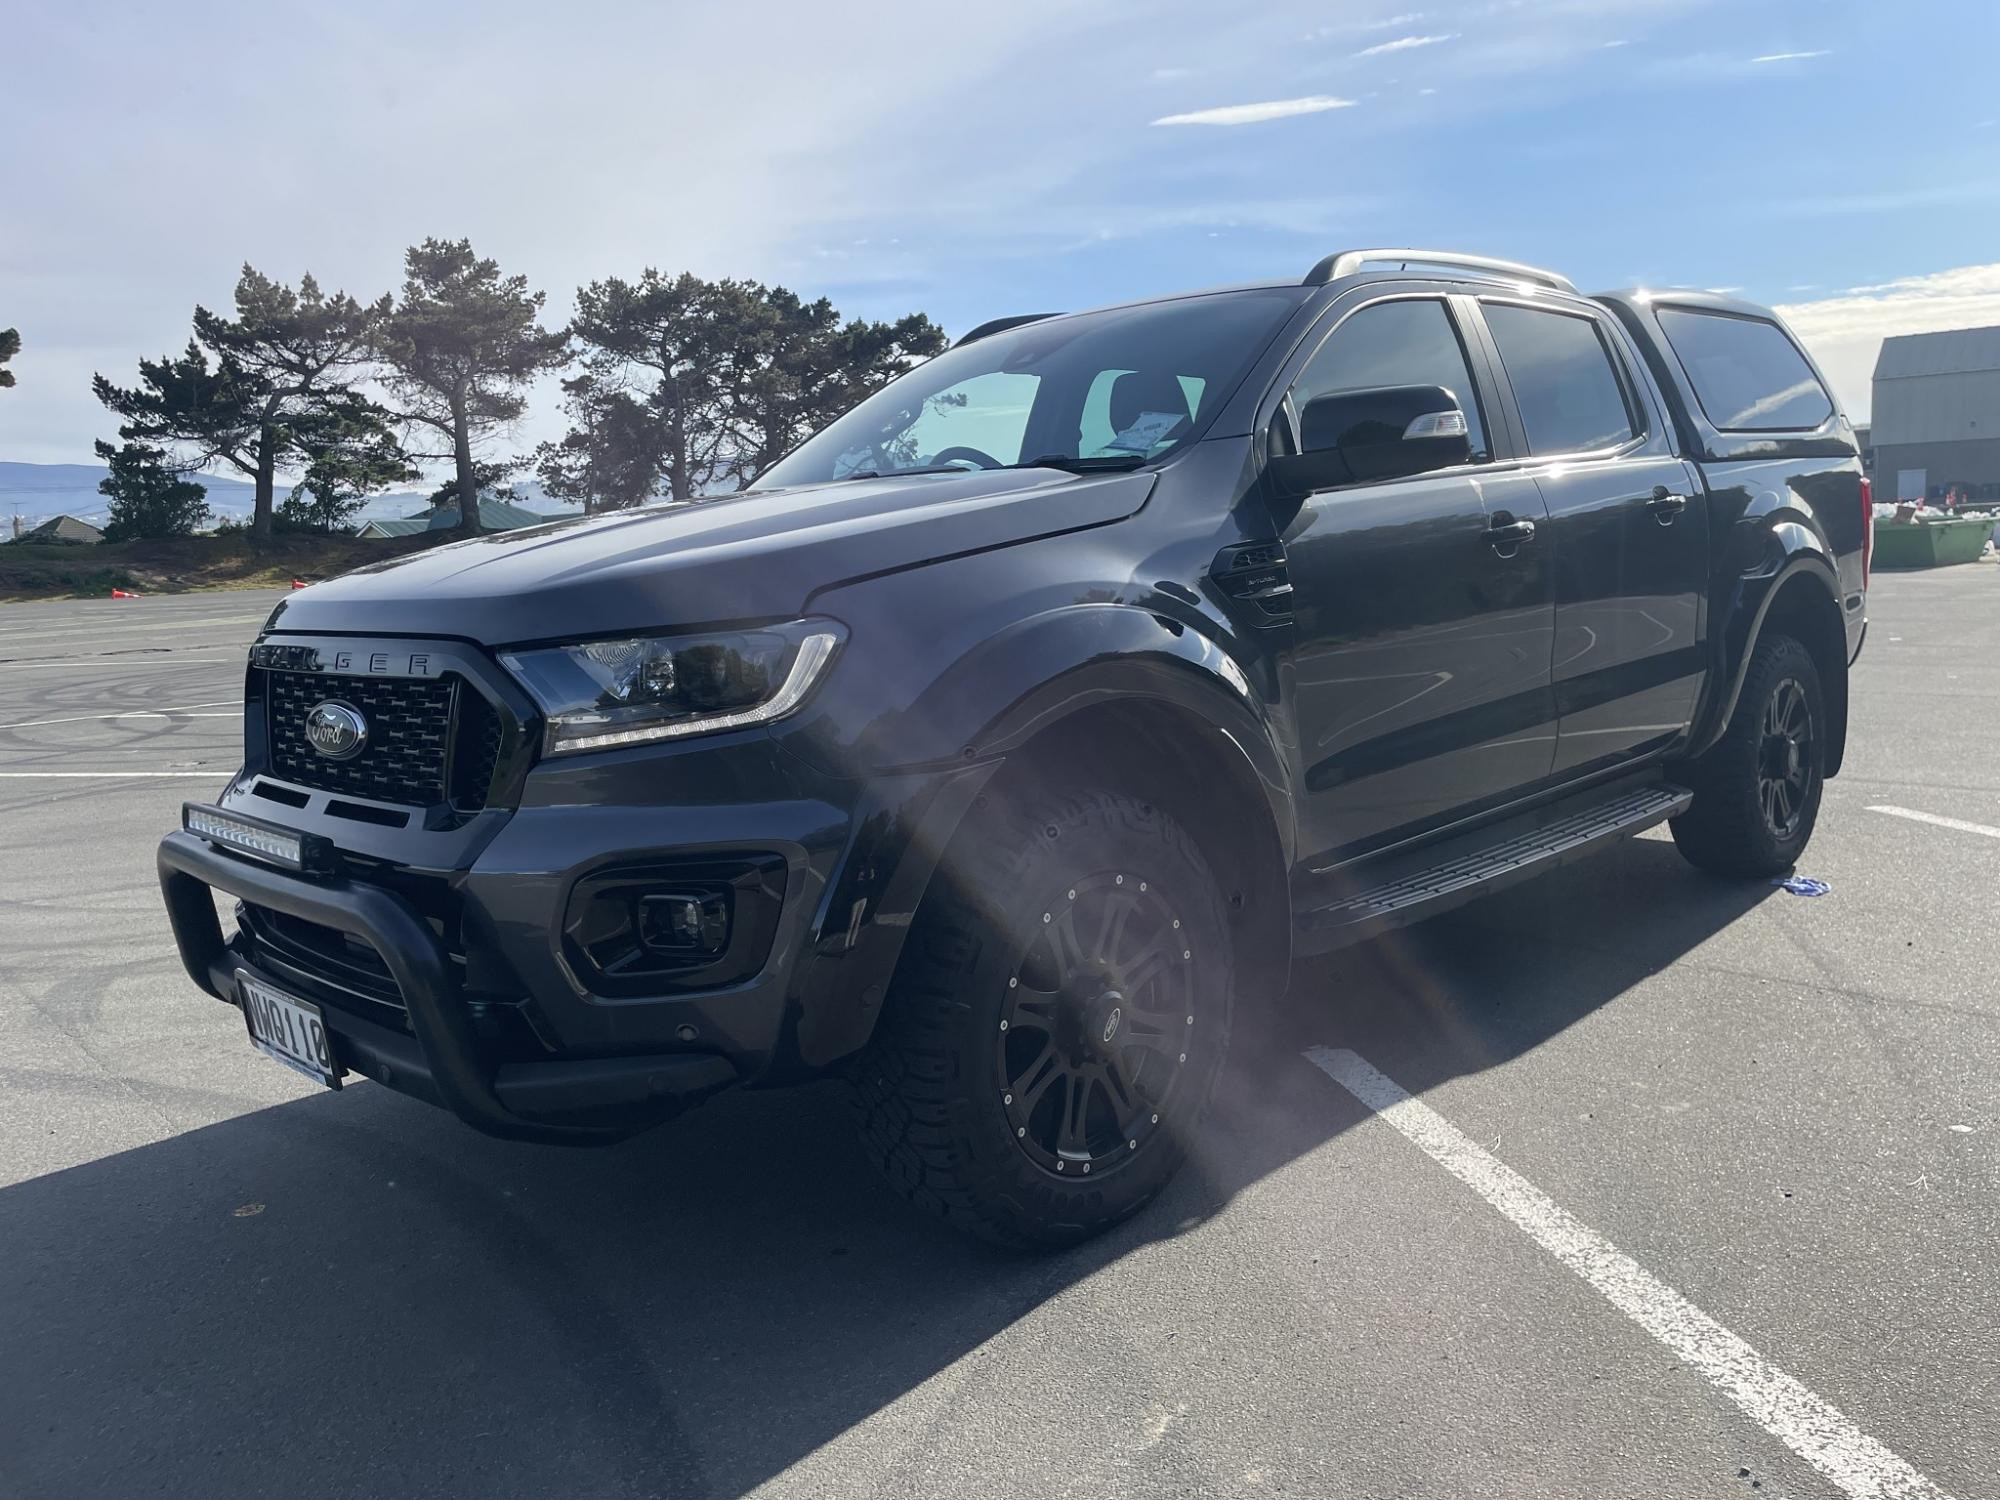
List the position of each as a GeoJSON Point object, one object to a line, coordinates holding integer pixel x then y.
{"type": "Point", "coordinates": [1129, 384]}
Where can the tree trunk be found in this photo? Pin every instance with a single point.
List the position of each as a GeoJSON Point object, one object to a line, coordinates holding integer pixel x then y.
{"type": "Point", "coordinates": [468, 484]}
{"type": "Point", "coordinates": [677, 463]}
{"type": "Point", "coordinates": [266, 481]}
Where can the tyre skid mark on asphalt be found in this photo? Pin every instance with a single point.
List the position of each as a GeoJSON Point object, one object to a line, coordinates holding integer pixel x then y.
{"type": "Point", "coordinates": [179, 710]}
{"type": "Point", "coordinates": [1811, 1427]}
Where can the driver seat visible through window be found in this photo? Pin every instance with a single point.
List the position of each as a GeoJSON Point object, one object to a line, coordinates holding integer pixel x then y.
{"type": "Point", "coordinates": [1136, 411]}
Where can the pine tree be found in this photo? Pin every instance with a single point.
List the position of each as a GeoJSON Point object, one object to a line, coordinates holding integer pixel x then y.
{"type": "Point", "coordinates": [463, 346]}
{"type": "Point", "coordinates": [249, 390]}
{"type": "Point", "coordinates": [148, 498]}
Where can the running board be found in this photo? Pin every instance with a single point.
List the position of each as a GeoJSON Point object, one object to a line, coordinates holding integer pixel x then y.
{"type": "Point", "coordinates": [1567, 832]}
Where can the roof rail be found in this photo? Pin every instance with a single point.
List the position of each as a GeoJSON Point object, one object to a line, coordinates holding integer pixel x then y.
{"type": "Point", "coordinates": [1347, 262]}
{"type": "Point", "coordinates": [1001, 325]}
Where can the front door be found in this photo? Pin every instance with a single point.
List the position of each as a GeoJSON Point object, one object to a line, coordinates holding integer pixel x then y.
{"type": "Point", "coordinates": [1627, 531]}
{"type": "Point", "coordinates": [1420, 668]}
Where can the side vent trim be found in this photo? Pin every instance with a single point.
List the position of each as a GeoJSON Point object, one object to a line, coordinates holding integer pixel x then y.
{"type": "Point", "coordinates": [1255, 573]}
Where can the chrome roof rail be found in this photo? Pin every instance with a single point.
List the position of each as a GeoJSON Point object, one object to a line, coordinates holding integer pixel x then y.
{"type": "Point", "coordinates": [1347, 262]}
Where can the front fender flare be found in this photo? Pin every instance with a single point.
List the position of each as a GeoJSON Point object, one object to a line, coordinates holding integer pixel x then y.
{"type": "Point", "coordinates": [949, 742]}
{"type": "Point", "coordinates": [1045, 668]}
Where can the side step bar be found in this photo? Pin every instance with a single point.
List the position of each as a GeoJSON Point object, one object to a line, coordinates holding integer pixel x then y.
{"type": "Point", "coordinates": [1516, 856]}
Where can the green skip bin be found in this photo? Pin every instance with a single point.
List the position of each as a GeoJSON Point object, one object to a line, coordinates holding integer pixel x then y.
{"type": "Point", "coordinates": [1929, 544]}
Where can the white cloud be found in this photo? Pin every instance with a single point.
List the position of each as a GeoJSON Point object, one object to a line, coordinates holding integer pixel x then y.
{"type": "Point", "coordinates": [1406, 43]}
{"type": "Point", "coordinates": [1771, 57]}
{"type": "Point", "coordinates": [1845, 333]}
{"type": "Point", "coordinates": [1256, 114]}
{"type": "Point", "coordinates": [1351, 28]}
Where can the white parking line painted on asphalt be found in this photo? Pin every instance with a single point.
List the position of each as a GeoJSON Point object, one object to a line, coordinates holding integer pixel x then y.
{"type": "Point", "coordinates": [1932, 818]}
{"type": "Point", "coordinates": [139, 713]}
{"type": "Point", "coordinates": [1802, 1421]}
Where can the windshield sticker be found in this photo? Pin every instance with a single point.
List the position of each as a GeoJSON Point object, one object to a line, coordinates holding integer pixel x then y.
{"type": "Point", "coordinates": [1146, 432]}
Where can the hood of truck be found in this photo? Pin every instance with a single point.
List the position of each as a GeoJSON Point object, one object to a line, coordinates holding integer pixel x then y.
{"type": "Point", "coordinates": [750, 556]}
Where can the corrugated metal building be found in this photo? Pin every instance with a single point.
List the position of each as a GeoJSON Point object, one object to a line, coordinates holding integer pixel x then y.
{"type": "Point", "coordinates": [1937, 415]}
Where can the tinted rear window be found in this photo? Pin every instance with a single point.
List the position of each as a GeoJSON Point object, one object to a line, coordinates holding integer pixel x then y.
{"type": "Point", "coordinates": [1747, 374]}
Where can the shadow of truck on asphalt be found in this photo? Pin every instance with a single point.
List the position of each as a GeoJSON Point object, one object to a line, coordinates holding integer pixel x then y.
{"type": "Point", "coordinates": [413, 1308]}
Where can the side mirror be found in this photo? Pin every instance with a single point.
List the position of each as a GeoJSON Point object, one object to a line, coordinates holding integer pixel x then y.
{"type": "Point", "coordinates": [1392, 432]}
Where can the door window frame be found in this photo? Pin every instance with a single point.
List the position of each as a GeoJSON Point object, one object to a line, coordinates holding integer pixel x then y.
{"type": "Point", "coordinates": [1276, 404]}
{"type": "Point", "coordinates": [1642, 405]}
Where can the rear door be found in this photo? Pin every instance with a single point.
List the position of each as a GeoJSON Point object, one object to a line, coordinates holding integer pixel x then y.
{"type": "Point", "coordinates": [1627, 533]}
{"type": "Point", "coordinates": [1420, 668]}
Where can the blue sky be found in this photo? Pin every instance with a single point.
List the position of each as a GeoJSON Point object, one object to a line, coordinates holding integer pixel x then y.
{"type": "Point", "coordinates": [1836, 157]}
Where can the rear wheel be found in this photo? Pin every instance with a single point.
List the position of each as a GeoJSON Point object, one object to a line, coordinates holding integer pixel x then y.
{"type": "Point", "coordinates": [1057, 1023]}
{"type": "Point", "coordinates": [1757, 791]}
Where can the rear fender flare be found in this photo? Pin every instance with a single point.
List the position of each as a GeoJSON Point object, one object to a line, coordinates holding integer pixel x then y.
{"type": "Point", "coordinates": [1745, 616]}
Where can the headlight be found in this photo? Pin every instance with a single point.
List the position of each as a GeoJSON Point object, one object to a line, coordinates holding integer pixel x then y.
{"type": "Point", "coordinates": [602, 693]}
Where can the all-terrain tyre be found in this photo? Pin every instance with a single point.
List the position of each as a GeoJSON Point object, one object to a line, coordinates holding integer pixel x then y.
{"type": "Point", "coordinates": [1057, 1021]}
{"type": "Point", "coordinates": [1757, 789]}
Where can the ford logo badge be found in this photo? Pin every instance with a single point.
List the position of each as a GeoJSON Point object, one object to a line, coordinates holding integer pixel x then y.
{"type": "Point", "coordinates": [336, 730]}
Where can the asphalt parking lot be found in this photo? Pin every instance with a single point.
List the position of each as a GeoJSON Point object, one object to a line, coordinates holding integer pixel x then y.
{"type": "Point", "coordinates": [1783, 1112]}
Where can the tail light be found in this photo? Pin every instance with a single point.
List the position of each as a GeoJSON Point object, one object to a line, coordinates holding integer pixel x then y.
{"type": "Point", "coordinates": [1867, 527]}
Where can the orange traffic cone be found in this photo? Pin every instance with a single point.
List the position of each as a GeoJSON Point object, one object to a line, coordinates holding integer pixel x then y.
{"type": "Point", "coordinates": [299, 583]}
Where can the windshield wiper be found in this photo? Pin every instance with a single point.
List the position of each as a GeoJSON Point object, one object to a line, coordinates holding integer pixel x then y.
{"type": "Point", "coordinates": [899, 473]}
{"type": "Point", "coordinates": [1106, 463]}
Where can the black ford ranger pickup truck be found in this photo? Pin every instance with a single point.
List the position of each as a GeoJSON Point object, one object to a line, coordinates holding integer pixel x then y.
{"type": "Point", "coordinates": [1005, 737]}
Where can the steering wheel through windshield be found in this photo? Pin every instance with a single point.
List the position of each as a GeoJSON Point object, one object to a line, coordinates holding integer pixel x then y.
{"type": "Point", "coordinates": [964, 455]}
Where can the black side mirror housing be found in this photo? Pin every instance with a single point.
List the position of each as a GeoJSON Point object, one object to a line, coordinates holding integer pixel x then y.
{"type": "Point", "coordinates": [1391, 432]}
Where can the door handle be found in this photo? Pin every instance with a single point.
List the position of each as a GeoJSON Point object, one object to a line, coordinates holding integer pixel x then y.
{"type": "Point", "coordinates": [1665, 505]}
{"type": "Point", "coordinates": [1505, 532]}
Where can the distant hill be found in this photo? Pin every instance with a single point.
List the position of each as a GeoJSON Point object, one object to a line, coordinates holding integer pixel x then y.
{"type": "Point", "coordinates": [37, 491]}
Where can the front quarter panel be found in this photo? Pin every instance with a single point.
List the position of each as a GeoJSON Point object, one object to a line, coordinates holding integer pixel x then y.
{"type": "Point", "coordinates": [964, 661]}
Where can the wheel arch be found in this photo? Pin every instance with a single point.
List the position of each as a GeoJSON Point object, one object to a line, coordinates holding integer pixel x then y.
{"type": "Point", "coordinates": [1204, 778]}
{"type": "Point", "coordinates": [1064, 697]}
{"type": "Point", "coordinates": [1801, 600]}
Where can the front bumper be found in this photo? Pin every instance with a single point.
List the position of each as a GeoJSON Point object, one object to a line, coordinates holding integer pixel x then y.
{"type": "Point", "coordinates": [502, 1024]}
{"type": "Point", "coordinates": [440, 1059]}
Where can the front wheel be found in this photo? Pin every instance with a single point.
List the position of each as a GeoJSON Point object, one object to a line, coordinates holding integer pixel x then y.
{"type": "Point", "coordinates": [1757, 790]}
{"type": "Point", "coordinates": [1057, 1022]}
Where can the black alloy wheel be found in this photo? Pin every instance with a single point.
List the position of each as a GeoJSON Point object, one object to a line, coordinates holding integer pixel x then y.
{"type": "Point", "coordinates": [1784, 758]}
{"type": "Point", "coordinates": [1098, 1022]}
{"type": "Point", "coordinates": [1058, 1021]}
{"type": "Point", "coordinates": [1757, 789]}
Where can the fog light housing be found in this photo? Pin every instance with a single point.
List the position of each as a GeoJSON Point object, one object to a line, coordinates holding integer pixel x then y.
{"type": "Point", "coordinates": [673, 923]}
{"type": "Point", "coordinates": [684, 924]}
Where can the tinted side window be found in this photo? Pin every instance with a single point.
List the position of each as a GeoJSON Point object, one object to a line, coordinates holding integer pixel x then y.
{"type": "Point", "coordinates": [1412, 342]}
{"type": "Point", "coordinates": [1563, 380]}
{"type": "Point", "coordinates": [1747, 375]}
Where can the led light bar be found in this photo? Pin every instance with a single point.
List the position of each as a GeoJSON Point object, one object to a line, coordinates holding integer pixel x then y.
{"type": "Point", "coordinates": [306, 852]}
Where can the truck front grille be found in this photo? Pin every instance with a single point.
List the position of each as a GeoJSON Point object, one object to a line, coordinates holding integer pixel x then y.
{"type": "Point", "coordinates": [408, 756]}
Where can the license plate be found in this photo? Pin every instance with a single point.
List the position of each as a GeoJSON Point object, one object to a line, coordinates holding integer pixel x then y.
{"type": "Point", "coordinates": [288, 1028]}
